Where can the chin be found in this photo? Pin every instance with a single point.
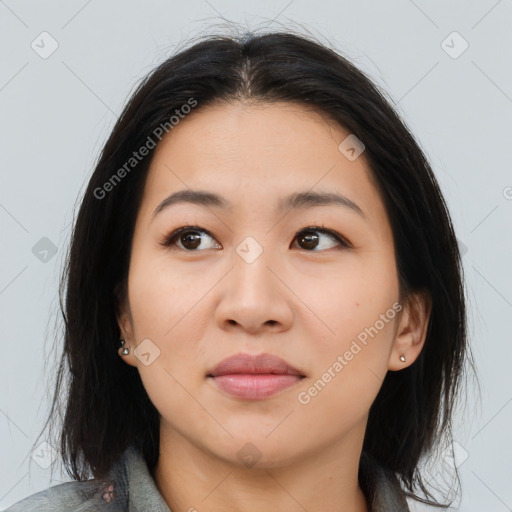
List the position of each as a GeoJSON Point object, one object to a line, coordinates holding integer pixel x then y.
{"type": "Point", "coordinates": [258, 451]}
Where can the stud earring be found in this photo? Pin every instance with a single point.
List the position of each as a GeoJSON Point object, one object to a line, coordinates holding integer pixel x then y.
{"type": "Point", "coordinates": [402, 358]}
{"type": "Point", "coordinates": [125, 350]}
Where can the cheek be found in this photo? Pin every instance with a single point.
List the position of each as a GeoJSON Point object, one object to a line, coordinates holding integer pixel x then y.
{"type": "Point", "coordinates": [360, 306]}
{"type": "Point", "coordinates": [350, 300]}
{"type": "Point", "coordinates": [348, 370]}
{"type": "Point", "coordinates": [162, 296]}
{"type": "Point", "coordinates": [358, 313]}
{"type": "Point", "coordinates": [167, 309]}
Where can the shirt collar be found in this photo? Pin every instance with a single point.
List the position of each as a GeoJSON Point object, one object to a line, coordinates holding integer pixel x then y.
{"type": "Point", "coordinates": [134, 485]}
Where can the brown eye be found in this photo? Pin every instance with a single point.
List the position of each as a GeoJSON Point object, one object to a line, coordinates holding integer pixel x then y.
{"type": "Point", "coordinates": [189, 238]}
{"type": "Point", "coordinates": [311, 238]}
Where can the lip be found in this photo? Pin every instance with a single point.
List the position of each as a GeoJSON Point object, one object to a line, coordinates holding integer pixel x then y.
{"type": "Point", "coordinates": [254, 377]}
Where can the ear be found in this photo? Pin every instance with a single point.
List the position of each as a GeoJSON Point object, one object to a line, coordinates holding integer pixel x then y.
{"type": "Point", "coordinates": [125, 323]}
{"type": "Point", "coordinates": [411, 331]}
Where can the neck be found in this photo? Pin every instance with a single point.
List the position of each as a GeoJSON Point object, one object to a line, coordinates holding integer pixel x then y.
{"type": "Point", "coordinates": [193, 479]}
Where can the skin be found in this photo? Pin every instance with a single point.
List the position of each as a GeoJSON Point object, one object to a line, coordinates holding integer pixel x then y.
{"type": "Point", "coordinates": [305, 305]}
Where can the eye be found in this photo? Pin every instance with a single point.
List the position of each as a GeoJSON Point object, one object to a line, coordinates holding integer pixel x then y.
{"type": "Point", "coordinates": [310, 239]}
{"type": "Point", "coordinates": [189, 237]}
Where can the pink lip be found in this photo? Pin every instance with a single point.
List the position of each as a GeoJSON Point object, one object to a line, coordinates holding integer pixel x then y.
{"type": "Point", "coordinates": [254, 377]}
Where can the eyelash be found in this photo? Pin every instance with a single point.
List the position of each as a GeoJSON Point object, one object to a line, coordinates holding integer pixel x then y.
{"type": "Point", "coordinates": [169, 240]}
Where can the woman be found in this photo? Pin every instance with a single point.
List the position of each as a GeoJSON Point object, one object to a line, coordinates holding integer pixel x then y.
{"type": "Point", "coordinates": [264, 301]}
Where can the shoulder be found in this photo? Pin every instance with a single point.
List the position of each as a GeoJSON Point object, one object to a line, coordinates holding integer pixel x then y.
{"type": "Point", "coordinates": [90, 495]}
{"type": "Point", "coordinates": [128, 486]}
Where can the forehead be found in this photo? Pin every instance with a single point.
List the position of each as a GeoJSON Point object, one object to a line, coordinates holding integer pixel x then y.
{"type": "Point", "coordinates": [269, 133]}
{"type": "Point", "coordinates": [258, 153]}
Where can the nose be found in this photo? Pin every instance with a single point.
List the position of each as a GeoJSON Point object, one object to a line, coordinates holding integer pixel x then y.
{"type": "Point", "coordinates": [254, 297]}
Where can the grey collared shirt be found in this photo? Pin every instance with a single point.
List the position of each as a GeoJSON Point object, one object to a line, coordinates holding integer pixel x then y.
{"type": "Point", "coordinates": [131, 488]}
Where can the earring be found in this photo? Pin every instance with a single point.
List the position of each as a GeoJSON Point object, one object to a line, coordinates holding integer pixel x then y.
{"type": "Point", "coordinates": [402, 358]}
{"type": "Point", "coordinates": [125, 350]}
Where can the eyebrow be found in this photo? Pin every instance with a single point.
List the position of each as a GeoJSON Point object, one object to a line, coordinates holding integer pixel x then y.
{"type": "Point", "coordinates": [297, 200]}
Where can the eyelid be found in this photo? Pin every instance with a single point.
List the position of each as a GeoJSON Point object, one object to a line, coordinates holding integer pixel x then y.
{"type": "Point", "coordinates": [168, 240]}
{"type": "Point", "coordinates": [330, 232]}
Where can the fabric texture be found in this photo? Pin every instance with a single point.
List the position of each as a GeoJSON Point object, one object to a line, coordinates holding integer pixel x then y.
{"type": "Point", "coordinates": [131, 488]}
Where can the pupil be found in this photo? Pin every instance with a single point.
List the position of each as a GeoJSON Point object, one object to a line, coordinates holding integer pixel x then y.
{"type": "Point", "coordinates": [311, 240]}
{"type": "Point", "coordinates": [192, 238]}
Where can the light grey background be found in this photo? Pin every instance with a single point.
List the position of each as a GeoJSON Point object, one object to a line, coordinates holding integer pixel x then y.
{"type": "Point", "coordinates": [57, 111]}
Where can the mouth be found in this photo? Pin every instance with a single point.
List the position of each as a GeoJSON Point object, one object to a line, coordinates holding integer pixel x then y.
{"type": "Point", "coordinates": [252, 377]}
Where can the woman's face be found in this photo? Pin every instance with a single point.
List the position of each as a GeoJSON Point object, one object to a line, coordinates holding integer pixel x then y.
{"type": "Point", "coordinates": [255, 274]}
